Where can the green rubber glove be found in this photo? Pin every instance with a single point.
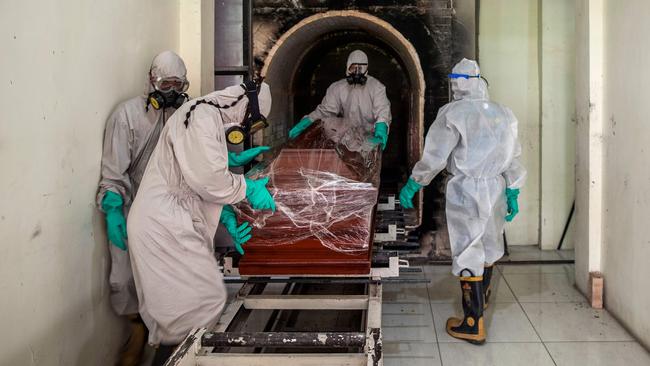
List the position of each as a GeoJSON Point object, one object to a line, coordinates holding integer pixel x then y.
{"type": "Point", "coordinates": [408, 191]}
{"type": "Point", "coordinates": [240, 234]}
{"type": "Point", "coordinates": [381, 135]}
{"type": "Point", "coordinates": [246, 156]}
{"type": "Point", "coordinates": [513, 205]}
{"type": "Point", "coordinates": [258, 195]}
{"type": "Point", "coordinates": [300, 127]}
{"type": "Point", "coordinates": [112, 204]}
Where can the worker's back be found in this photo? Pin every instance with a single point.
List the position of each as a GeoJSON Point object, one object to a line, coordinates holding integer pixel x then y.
{"type": "Point", "coordinates": [488, 137]}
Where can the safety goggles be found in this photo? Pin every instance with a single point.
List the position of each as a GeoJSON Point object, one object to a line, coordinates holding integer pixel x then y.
{"type": "Point", "coordinates": [168, 84]}
{"type": "Point", "coordinates": [358, 69]}
{"type": "Point", "coordinates": [463, 76]}
{"type": "Point", "coordinates": [467, 77]}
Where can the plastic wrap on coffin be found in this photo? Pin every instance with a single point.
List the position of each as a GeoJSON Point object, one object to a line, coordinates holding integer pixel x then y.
{"type": "Point", "coordinates": [324, 221]}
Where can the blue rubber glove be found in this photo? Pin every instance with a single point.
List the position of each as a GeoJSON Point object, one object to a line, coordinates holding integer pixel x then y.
{"type": "Point", "coordinates": [113, 207]}
{"type": "Point", "coordinates": [240, 234]}
{"type": "Point", "coordinates": [381, 135]}
{"type": "Point", "coordinates": [408, 191]}
{"type": "Point", "coordinates": [246, 156]}
{"type": "Point", "coordinates": [258, 195]}
{"type": "Point", "coordinates": [300, 127]}
{"type": "Point", "coordinates": [513, 205]}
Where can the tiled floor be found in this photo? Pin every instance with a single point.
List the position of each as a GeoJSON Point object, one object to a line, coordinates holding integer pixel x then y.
{"type": "Point", "coordinates": [537, 318]}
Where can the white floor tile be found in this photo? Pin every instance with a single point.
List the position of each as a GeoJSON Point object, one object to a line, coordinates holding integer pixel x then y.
{"type": "Point", "coordinates": [444, 288]}
{"type": "Point", "coordinates": [567, 254]}
{"type": "Point", "coordinates": [531, 253]}
{"type": "Point", "coordinates": [403, 322]}
{"type": "Point", "coordinates": [405, 293]}
{"type": "Point", "coordinates": [411, 354]}
{"type": "Point", "coordinates": [437, 270]}
{"type": "Point", "coordinates": [495, 354]}
{"type": "Point", "coordinates": [535, 268]}
{"type": "Point", "coordinates": [598, 353]}
{"type": "Point", "coordinates": [544, 287]}
{"type": "Point", "coordinates": [504, 322]}
{"type": "Point", "coordinates": [564, 322]}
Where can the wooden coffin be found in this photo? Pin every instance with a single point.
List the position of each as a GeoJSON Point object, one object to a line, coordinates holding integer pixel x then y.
{"type": "Point", "coordinates": [323, 224]}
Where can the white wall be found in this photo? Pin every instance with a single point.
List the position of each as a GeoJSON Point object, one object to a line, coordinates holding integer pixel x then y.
{"type": "Point", "coordinates": [63, 68]}
{"type": "Point", "coordinates": [527, 53]}
{"type": "Point", "coordinates": [557, 83]}
{"type": "Point", "coordinates": [626, 136]}
{"type": "Point", "coordinates": [190, 43]}
{"type": "Point", "coordinates": [589, 140]}
{"type": "Point", "coordinates": [508, 55]}
{"type": "Point", "coordinates": [197, 44]}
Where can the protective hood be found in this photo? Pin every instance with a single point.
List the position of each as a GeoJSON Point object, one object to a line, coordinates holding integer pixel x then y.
{"type": "Point", "coordinates": [166, 64]}
{"type": "Point", "coordinates": [471, 88]}
{"type": "Point", "coordinates": [356, 57]}
{"type": "Point", "coordinates": [236, 113]}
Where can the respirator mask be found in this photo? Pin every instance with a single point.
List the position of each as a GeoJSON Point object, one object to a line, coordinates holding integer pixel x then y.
{"type": "Point", "coordinates": [357, 74]}
{"type": "Point", "coordinates": [168, 92]}
{"type": "Point", "coordinates": [254, 121]}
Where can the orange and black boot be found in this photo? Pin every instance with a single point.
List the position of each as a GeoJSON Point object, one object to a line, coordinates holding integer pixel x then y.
{"type": "Point", "coordinates": [470, 328]}
{"type": "Point", "coordinates": [487, 290]}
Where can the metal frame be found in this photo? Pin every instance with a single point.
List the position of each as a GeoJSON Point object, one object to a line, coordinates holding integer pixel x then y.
{"type": "Point", "coordinates": [393, 269]}
{"type": "Point", "coordinates": [247, 69]}
{"type": "Point", "coordinates": [198, 346]}
{"type": "Point", "coordinates": [388, 206]}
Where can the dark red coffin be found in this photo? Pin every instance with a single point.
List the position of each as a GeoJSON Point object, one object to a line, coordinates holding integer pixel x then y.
{"type": "Point", "coordinates": [323, 224]}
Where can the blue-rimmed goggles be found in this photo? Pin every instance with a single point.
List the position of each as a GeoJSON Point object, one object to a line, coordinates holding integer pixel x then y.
{"type": "Point", "coordinates": [463, 76]}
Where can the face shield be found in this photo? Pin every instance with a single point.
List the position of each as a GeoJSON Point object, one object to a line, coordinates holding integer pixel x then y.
{"type": "Point", "coordinates": [453, 79]}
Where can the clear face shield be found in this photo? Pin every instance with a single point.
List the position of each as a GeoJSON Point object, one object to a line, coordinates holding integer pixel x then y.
{"type": "Point", "coordinates": [453, 78]}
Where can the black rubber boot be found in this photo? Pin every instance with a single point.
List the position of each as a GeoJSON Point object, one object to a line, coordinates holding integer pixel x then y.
{"type": "Point", "coordinates": [471, 327]}
{"type": "Point", "coordinates": [163, 353]}
{"type": "Point", "coordinates": [487, 290]}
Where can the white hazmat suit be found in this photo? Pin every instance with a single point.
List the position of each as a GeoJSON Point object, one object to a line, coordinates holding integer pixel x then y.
{"type": "Point", "coordinates": [131, 135]}
{"type": "Point", "coordinates": [476, 140]}
{"type": "Point", "coordinates": [176, 213]}
{"type": "Point", "coordinates": [360, 105]}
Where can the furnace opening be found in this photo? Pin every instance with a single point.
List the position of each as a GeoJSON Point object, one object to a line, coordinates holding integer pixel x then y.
{"type": "Point", "coordinates": [312, 54]}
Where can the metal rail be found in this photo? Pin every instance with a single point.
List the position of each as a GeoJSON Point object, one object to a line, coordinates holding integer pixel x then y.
{"type": "Point", "coordinates": [284, 339]}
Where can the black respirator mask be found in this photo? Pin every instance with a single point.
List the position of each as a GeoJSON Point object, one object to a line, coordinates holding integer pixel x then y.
{"type": "Point", "coordinates": [170, 99]}
{"type": "Point", "coordinates": [168, 93]}
{"type": "Point", "coordinates": [357, 74]}
{"type": "Point", "coordinates": [254, 120]}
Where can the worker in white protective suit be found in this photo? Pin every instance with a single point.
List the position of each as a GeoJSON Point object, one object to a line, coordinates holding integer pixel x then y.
{"type": "Point", "coordinates": [359, 98]}
{"type": "Point", "coordinates": [176, 212]}
{"type": "Point", "coordinates": [476, 140]}
{"type": "Point", "coordinates": [131, 135]}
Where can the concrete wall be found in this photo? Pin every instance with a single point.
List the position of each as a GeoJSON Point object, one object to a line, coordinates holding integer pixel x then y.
{"type": "Point", "coordinates": [589, 140]}
{"type": "Point", "coordinates": [557, 84]}
{"type": "Point", "coordinates": [626, 194]}
{"type": "Point", "coordinates": [64, 67]}
{"type": "Point", "coordinates": [509, 58]}
{"type": "Point", "coordinates": [196, 25]}
{"type": "Point", "coordinates": [527, 53]}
